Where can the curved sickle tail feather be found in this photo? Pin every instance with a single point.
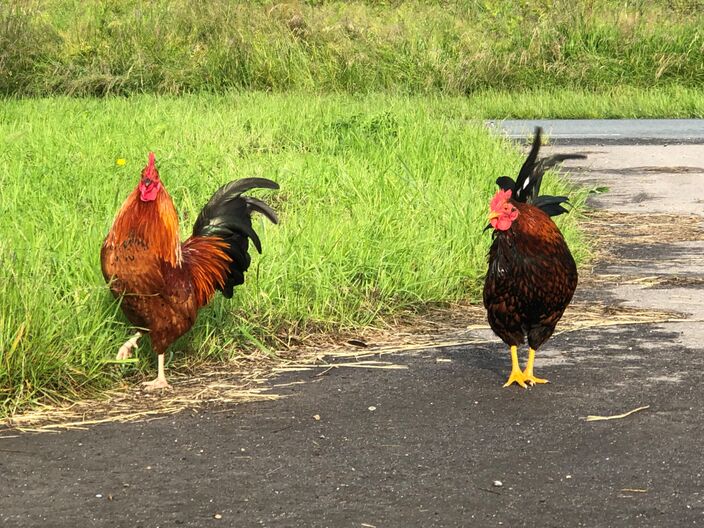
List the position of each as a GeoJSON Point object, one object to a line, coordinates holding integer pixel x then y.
{"type": "Point", "coordinates": [526, 188]}
{"type": "Point", "coordinates": [227, 216]}
{"type": "Point", "coordinates": [526, 181]}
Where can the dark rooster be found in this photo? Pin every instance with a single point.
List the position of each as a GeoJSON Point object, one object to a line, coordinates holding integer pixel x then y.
{"type": "Point", "coordinates": [532, 275]}
{"type": "Point", "coordinates": [162, 283]}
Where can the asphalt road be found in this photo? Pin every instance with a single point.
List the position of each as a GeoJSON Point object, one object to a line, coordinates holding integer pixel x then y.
{"type": "Point", "coordinates": [607, 131]}
{"type": "Point", "coordinates": [424, 446]}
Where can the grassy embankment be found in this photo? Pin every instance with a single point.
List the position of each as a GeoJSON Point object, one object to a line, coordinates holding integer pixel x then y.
{"type": "Point", "coordinates": [382, 204]}
{"type": "Point", "coordinates": [454, 47]}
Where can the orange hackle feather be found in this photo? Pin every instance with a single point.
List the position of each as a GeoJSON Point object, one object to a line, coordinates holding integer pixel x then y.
{"type": "Point", "coordinates": [155, 223]}
{"type": "Point", "coordinates": [536, 223]}
{"type": "Point", "coordinates": [208, 263]}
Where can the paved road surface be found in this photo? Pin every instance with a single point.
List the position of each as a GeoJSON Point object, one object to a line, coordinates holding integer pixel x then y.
{"type": "Point", "coordinates": [608, 131]}
{"type": "Point", "coordinates": [441, 433]}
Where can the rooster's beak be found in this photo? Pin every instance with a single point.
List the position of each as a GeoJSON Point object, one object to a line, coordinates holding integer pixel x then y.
{"type": "Point", "coordinates": [489, 218]}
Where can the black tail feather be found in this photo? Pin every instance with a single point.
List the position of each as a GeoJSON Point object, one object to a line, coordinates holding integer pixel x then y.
{"type": "Point", "coordinates": [526, 188]}
{"type": "Point", "coordinates": [524, 181]}
{"type": "Point", "coordinates": [506, 183]}
{"type": "Point", "coordinates": [552, 205]}
{"type": "Point", "coordinates": [227, 216]}
{"type": "Point", "coordinates": [542, 166]}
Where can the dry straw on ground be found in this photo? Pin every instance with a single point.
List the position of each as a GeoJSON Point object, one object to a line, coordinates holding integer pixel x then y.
{"type": "Point", "coordinates": [607, 229]}
{"type": "Point", "coordinates": [596, 418]}
{"type": "Point", "coordinates": [255, 380]}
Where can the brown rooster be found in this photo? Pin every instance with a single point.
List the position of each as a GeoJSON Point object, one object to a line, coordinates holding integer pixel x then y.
{"type": "Point", "coordinates": [532, 275]}
{"type": "Point", "coordinates": [162, 283]}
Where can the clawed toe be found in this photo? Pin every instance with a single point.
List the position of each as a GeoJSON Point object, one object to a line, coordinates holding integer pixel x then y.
{"type": "Point", "coordinates": [124, 353]}
{"type": "Point", "coordinates": [516, 377]}
{"type": "Point", "coordinates": [158, 383]}
{"type": "Point", "coordinates": [532, 380]}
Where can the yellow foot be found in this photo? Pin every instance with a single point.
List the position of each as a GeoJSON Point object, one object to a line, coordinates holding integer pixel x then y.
{"type": "Point", "coordinates": [158, 383]}
{"type": "Point", "coordinates": [516, 377]}
{"type": "Point", "coordinates": [532, 380]}
{"type": "Point", "coordinates": [516, 374]}
{"type": "Point", "coordinates": [528, 376]}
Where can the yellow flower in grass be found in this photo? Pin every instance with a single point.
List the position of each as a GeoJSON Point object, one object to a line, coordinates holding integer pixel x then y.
{"type": "Point", "coordinates": [121, 161]}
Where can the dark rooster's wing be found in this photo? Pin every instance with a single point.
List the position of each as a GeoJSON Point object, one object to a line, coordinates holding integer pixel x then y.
{"type": "Point", "coordinates": [227, 216]}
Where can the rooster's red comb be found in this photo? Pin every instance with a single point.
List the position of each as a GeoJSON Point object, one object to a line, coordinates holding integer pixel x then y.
{"type": "Point", "coordinates": [150, 170]}
{"type": "Point", "coordinates": [499, 199]}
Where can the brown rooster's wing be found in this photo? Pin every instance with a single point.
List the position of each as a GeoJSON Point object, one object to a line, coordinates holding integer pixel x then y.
{"type": "Point", "coordinates": [173, 310]}
{"type": "Point", "coordinates": [551, 295]}
{"type": "Point", "coordinates": [134, 275]}
{"type": "Point", "coordinates": [155, 295]}
{"type": "Point", "coordinates": [502, 295]}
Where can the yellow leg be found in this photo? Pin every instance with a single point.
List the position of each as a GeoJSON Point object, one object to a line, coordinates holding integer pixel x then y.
{"type": "Point", "coordinates": [528, 376]}
{"type": "Point", "coordinates": [516, 374]}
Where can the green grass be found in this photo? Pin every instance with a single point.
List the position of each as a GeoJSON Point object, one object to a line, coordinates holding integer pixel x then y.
{"type": "Point", "coordinates": [382, 204]}
{"type": "Point", "coordinates": [453, 47]}
{"type": "Point", "coordinates": [619, 102]}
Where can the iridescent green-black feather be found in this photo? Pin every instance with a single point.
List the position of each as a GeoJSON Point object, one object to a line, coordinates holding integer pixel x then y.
{"type": "Point", "coordinates": [526, 188]}
{"type": "Point", "coordinates": [227, 216]}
